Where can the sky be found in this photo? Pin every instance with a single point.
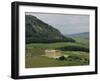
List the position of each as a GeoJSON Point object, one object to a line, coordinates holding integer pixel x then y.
{"type": "Point", "coordinates": [65, 23]}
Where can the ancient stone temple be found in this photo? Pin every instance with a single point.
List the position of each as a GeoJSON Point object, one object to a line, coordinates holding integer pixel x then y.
{"type": "Point", "coordinates": [52, 53]}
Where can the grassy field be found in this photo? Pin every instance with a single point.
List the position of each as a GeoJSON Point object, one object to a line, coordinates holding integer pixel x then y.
{"type": "Point", "coordinates": [35, 52]}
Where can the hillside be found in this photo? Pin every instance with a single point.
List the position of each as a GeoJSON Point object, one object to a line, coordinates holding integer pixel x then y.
{"type": "Point", "coordinates": [82, 35]}
{"type": "Point", "coordinates": [38, 31]}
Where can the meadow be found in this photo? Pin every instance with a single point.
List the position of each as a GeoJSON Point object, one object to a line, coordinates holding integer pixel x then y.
{"type": "Point", "coordinates": [34, 56]}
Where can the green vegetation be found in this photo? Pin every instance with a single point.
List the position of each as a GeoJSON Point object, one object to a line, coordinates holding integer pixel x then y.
{"type": "Point", "coordinates": [82, 41]}
{"type": "Point", "coordinates": [62, 58]}
{"type": "Point", "coordinates": [73, 51]}
{"type": "Point", "coordinates": [38, 31]}
{"type": "Point", "coordinates": [35, 55]}
{"type": "Point", "coordinates": [73, 48]}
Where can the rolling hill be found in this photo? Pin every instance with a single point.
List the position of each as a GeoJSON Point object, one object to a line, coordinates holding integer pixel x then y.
{"type": "Point", "coordinates": [82, 35]}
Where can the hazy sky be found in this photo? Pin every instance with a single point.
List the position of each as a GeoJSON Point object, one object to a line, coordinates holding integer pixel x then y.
{"type": "Point", "coordinates": [66, 23]}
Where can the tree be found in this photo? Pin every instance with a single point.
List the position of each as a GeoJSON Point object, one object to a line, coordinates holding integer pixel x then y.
{"type": "Point", "coordinates": [62, 58]}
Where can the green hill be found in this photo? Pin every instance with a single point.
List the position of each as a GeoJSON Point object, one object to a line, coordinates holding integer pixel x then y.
{"type": "Point", "coordinates": [37, 31]}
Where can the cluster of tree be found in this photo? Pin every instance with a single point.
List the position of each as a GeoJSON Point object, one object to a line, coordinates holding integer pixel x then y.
{"type": "Point", "coordinates": [70, 58]}
{"type": "Point", "coordinates": [45, 40]}
{"type": "Point", "coordinates": [74, 48]}
{"type": "Point", "coordinates": [74, 58]}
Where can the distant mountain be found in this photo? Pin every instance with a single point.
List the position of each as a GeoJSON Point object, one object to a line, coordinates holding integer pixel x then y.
{"type": "Point", "coordinates": [38, 31]}
{"type": "Point", "coordinates": [83, 35]}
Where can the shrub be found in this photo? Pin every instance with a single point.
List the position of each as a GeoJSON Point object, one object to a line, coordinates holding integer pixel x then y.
{"type": "Point", "coordinates": [73, 58]}
{"type": "Point", "coordinates": [62, 58]}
